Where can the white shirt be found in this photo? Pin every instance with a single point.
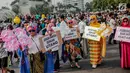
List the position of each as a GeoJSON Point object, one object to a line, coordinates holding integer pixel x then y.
{"type": "Point", "coordinates": [64, 29]}
{"type": "Point", "coordinates": [112, 23]}
{"type": "Point", "coordinates": [35, 43]}
{"type": "Point", "coordinates": [81, 26]}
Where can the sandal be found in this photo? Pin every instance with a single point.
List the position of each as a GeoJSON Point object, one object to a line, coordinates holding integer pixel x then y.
{"type": "Point", "coordinates": [12, 71]}
{"type": "Point", "coordinates": [72, 66]}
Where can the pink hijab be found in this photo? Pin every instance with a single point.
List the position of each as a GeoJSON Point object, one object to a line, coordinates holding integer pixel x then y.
{"type": "Point", "coordinates": [125, 22]}
{"type": "Point", "coordinates": [49, 28]}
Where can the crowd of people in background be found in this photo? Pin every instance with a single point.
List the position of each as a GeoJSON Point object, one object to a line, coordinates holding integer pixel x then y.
{"type": "Point", "coordinates": [73, 50]}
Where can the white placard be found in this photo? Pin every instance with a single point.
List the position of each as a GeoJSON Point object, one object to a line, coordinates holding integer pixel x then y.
{"type": "Point", "coordinates": [50, 41]}
{"type": "Point", "coordinates": [122, 34]}
{"type": "Point", "coordinates": [73, 34]}
{"type": "Point", "coordinates": [90, 33]}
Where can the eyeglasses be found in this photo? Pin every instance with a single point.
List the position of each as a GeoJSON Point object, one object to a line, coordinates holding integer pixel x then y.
{"type": "Point", "coordinates": [92, 19]}
{"type": "Point", "coordinates": [31, 30]}
{"type": "Point", "coordinates": [70, 22]}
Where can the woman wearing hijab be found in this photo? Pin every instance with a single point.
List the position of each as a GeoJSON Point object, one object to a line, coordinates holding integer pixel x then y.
{"type": "Point", "coordinates": [96, 47]}
{"type": "Point", "coordinates": [55, 52]}
{"type": "Point", "coordinates": [49, 63]}
{"type": "Point", "coordinates": [73, 49]}
{"type": "Point", "coordinates": [124, 47]}
{"type": "Point", "coordinates": [36, 56]}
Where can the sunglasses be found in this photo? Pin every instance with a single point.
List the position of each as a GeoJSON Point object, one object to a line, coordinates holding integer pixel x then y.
{"type": "Point", "coordinates": [31, 30]}
{"type": "Point", "coordinates": [92, 19]}
{"type": "Point", "coordinates": [70, 23]}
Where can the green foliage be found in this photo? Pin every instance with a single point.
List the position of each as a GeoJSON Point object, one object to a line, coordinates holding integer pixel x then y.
{"type": "Point", "coordinates": [14, 2]}
{"type": "Point", "coordinates": [15, 8]}
{"type": "Point", "coordinates": [106, 4]}
{"type": "Point", "coordinates": [33, 10]}
{"type": "Point", "coordinates": [88, 6]}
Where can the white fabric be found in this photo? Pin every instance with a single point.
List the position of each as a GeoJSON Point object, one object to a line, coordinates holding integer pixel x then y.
{"type": "Point", "coordinates": [81, 26]}
{"type": "Point", "coordinates": [33, 49]}
{"type": "Point", "coordinates": [64, 29]}
{"type": "Point", "coordinates": [3, 52]}
{"type": "Point", "coordinates": [113, 24]}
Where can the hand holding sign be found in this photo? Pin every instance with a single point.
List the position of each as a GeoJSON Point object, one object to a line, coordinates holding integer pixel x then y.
{"type": "Point", "coordinates": [73, 34]}
{"type": "Point", "coordinates": [93, 33]}
{"type": "Point", "coordinates": [122, 34]}
{"type": "Point", "coordinates": [90, 33]}
{"type": "Point", "coordinates": [48, 42]}
{"type": "Point", "coordinates": [104, 30]}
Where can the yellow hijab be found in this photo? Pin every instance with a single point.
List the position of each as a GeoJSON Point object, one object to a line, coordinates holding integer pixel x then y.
{"type": "Point", "coordinates": [94, 23]}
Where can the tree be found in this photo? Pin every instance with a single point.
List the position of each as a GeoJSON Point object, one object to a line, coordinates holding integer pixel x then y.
{"type": "Point", "coordinates": [15, 8]}
{"type": "Point", "coordinates": [14, 2]}
{"type": "Point", "coordinates": [88, 6]}
{"type": "Point", "coordinates": [107, 4]}
{"type": "Point", "coordinates": [60, 5]}
{"type": "Point", "coordinates": [33, 10]}
{"type": "Point", "coordinates": [5, 8]}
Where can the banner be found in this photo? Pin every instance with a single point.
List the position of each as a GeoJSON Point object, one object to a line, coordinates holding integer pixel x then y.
{"type": "Point", "coordinates": [122, 34]}
{"type": "Point", "coordinates": [73, 34]}
{"type": "Point", "coordinates": [51, 42]}
{"type": "Point", "coordinates": [90, 33]}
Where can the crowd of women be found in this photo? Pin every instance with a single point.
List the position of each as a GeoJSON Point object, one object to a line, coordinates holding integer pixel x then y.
{"type": "Point", "coordinates": [33, 60]}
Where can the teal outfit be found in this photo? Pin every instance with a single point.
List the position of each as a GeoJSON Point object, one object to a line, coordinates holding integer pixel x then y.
{"type": "Point", "coordinates": [43, 26]}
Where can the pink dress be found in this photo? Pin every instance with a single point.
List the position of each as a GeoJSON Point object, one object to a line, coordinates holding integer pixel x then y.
{"type": "Point", "coordinates": [125, 51]}
{"type": "Point", "coordinates": [125, 55]}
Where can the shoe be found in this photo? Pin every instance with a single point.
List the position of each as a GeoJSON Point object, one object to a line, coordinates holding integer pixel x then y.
{"type": "Point", "coordinates": [94, 66]}
{"type": "Point", "coordinates": [115, 43]}
{"type": "Point", "coordinates": [72, 66]}
{"type": "Point", "coordinates": [55, 71]}
{"type": "Point", "coordinates": [78, 67]}
{"type": "Point", "coordinates": [109, 43]}
{"type": "Point", "coordinates": [12, 71]}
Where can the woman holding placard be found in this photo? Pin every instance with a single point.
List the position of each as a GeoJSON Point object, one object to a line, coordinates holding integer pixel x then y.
{"type": "Point", "coordinates": [73, 49]}
{"type": "Point", "coordinates": [96, 48]}
{"type": "Point", "coordinates": [124, 47]}
{"type": "Point", "coordinates": [36, 56]}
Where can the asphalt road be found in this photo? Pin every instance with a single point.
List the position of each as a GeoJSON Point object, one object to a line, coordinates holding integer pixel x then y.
{"type": "Point", "coordinates": [110, 64]}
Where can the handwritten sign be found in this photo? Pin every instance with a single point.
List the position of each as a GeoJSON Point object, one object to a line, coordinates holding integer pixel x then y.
{"type": "Point", "coordinates": [107, 31]}
{"type": "Point", "coordinates": [122, 34]}
{"type": "Point", "coordinates": [51, 41]}
{"type": "Point", "coordinates": [90, 33]}
{"type": "Point", "coordinates": [73, 34]}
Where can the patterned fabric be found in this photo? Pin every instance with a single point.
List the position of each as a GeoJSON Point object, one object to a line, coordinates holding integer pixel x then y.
{"type": "Point", "coordinates": [36, 65]}
{"type": "Point", "coordinates": [24, 62]}
{"type": "Point", "coordinates": [73, 49]}
{"type": "Point", "coordinates": [3, 52]}
{"type": "Point", "coordinates": [95, 52]}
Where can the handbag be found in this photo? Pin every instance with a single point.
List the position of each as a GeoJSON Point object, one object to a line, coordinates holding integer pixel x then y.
{"type": "Point", "coordinates": [42, 55]}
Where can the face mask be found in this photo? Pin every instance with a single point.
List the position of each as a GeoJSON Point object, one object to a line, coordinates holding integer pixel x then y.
{"type": "Point", "coordinates": [125, 23]}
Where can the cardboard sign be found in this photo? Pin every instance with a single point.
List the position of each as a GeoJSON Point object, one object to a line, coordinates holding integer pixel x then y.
{"type": "Point", "coordinates": [90, 33]}
{"type": "Point", "coordinates": [51, 41]}
{"type": "Point", "coordinates": [106, 32]}
{"type": "Point", "coordinates": [122, 34]}
{"type": "Point", "coordinates": [122, 6]}
{"type": "Point", "coordinates": [73, 34]}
